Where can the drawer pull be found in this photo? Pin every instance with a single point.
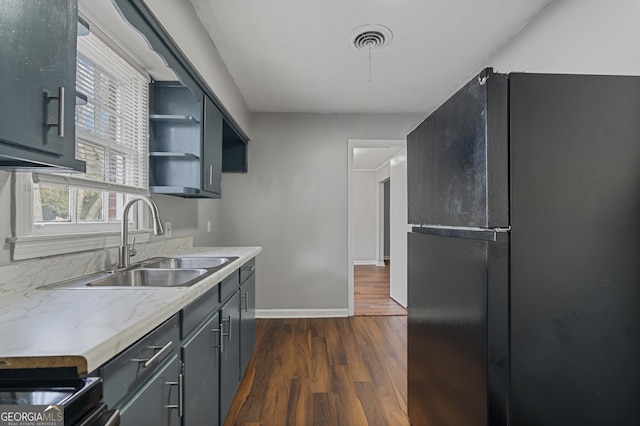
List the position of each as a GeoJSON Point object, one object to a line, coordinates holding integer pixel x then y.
{"type": "Point", "coordinates": [147, 362]}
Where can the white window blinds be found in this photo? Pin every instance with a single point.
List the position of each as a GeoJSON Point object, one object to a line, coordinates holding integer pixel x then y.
{"type": "Point", "coordinates": [112, 127]}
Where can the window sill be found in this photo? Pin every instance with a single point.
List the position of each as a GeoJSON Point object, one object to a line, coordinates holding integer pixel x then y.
{"type": "Point", "coordinates": [33, 246]}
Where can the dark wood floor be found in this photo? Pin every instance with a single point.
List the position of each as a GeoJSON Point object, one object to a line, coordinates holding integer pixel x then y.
{"type": "Point", "coordinates": [325, 371]}
{"type": "Point", "coordinates": [371, 291]}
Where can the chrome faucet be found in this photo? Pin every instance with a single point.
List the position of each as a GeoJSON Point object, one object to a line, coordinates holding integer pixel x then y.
{"type": "Point", "coordinates": [124, 250]}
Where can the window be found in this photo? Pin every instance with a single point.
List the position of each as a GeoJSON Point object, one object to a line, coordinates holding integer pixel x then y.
{"type": "Point", "coordinates": [111, 137]}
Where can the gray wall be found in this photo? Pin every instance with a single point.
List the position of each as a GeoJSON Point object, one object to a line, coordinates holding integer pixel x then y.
{"type": "Point", "coordinates": [293, 202]}
{"type": "Point", "coordinates": [365, 226]}
{"type": "Point", "coordinates": [189, 217]}
{"type": "Point", "coordinates": [576, 36]}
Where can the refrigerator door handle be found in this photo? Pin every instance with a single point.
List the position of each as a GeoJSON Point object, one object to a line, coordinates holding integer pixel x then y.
{"type": "Point", "coordinates": [502, 230]}
{"type": "Point", "coordinates": [484, 234]}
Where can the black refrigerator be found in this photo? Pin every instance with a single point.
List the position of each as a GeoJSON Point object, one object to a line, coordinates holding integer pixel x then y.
{"type": "Point", "coordinates": [524, 255]}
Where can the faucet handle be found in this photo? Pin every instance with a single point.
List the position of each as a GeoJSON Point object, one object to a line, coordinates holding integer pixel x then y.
{"type": "Point", "coordinates": [132, 249]}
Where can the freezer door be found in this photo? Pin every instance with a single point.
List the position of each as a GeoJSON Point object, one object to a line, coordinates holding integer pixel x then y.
{"type": "Point", "coordinates": [457, 159]}
{"type": "Point", "coordinates": [458, 330]}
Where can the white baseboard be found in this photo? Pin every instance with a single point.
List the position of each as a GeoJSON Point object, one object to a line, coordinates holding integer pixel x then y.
{"type": "Point", "coordinates": [365, 262]}
{"type": "Point", "coordinates": [380, 264]}
{"type": "Point", "coordinates": [387, 258]}
{"type": "Point", "coordinates": [301, 313]}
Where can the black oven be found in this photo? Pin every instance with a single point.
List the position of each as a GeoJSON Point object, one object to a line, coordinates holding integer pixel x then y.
{"type": "Point", "coordinates": [78, 398]}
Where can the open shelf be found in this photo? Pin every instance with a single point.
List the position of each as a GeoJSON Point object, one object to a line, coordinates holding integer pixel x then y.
{"type": "Point", "coordinates": [174, 190]}
{"type": "Point", "coordinates": [166, 154]}
{"type": "Point", "coordinates": [172, 118]}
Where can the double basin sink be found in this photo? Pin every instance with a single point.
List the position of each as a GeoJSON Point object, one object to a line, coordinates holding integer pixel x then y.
{"type": "Point", "coordinates": [157, 272]}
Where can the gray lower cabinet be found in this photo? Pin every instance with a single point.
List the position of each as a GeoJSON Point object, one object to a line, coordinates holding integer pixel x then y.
{"type": "Point", "coordinates": [188, 370]}
{"type": "Point", "coordinates": [158, 402]}
{"type": "Point", "coordinates": [37, 84]}
{"type": "Point", "coordinates": [201, 375]}
{"type": "Point", "coordinates": [229, 353]}
{"type": "Point", "coordinates": [247, 321]}
{"type": "Point", "coordinates": [144, 381]}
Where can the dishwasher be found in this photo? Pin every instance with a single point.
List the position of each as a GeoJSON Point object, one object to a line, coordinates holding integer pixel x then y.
{"type": "Point", "coordinates": [55, 396]}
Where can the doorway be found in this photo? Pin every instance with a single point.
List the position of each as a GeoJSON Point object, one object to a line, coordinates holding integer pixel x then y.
{"type": "Point", "coordinates": [375, 267]}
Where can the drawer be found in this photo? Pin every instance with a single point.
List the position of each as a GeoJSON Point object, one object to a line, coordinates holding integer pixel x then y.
{"type": "Point", "coordinates": [198, 310]}
{"type": "Point", "coordinates": [130, 369]}
{"type": "Point", "coordinates": [229, 285]}
{"type": "Point", "coordinates": [247, 270]}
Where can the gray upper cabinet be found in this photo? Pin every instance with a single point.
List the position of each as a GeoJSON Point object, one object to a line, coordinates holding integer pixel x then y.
{"type": "Point", "coordinates": [234, 151]}
{"type": "Point", "coordinates": [212, 148]}
{"type": "Point", "coordinates": [37, 84]}
{"type": "Point", "coordinates": [185, 145]}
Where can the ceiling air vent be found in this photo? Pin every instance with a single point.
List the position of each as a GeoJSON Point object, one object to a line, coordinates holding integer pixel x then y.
{"type": "Point", "coordinates": [371, 37]}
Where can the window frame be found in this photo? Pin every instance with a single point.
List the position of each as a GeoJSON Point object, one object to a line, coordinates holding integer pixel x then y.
{"type": "Point", "coordinates": [31, 240]}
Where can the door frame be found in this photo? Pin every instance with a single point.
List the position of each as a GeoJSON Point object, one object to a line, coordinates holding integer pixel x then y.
{"type": "Point", "coordinates": [359, 143]}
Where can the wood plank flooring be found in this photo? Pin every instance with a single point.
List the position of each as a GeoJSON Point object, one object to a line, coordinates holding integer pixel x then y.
{"type": "Point", "coordinates": [325, 372]}
{"type": "Point", "coordinates": [371, 291]}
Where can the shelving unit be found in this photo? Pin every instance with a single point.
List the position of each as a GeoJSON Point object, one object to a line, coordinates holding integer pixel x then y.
{"type": "Point", "coordinates": [180, 158]}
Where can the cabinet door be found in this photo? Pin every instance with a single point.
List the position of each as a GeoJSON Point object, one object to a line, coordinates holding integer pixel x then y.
{"type": "Point", "coordinates": [247, 322]}
{"type": "Point", "coordinates": [157, 403]}
{"type": "Point", "coordinates": [212, 148]}
{"type": "Point", "coordinates": [229, 353]}
{"type": "Point", "coordinates": [38, 53]}
{"type": "Point", "coordinates": [200, 356]}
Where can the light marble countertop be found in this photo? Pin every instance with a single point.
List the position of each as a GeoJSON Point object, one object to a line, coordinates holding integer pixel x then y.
{"type": "Point", "coordinates": [87, 327]}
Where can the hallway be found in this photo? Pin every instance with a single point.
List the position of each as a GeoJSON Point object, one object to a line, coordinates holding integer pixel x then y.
{"type": "Point", "coordinates": [371, 291]}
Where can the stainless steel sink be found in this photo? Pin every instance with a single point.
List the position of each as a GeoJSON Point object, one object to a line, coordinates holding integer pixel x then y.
{"type": "Point", "coordinates": [190, 263]}
{"type": "Point", "coordinates": [151, 278]}
{"type": "Point", "coordinates": [157, 272]}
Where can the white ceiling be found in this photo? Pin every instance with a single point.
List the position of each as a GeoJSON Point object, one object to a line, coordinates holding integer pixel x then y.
{"type": "Point", "coordinates": [296, 55]}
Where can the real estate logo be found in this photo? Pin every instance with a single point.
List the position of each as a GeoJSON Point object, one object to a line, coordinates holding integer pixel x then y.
{"type": "Point", "coordinates": [31, 415]}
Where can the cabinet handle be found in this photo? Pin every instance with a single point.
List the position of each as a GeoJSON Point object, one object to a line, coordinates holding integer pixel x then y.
{"type": "Point", "coordinates": [61, 111]}
{"type": "Point", "coordinates": [221, 345]}
{"type": "Point", "coordinates": [180, 385]}
{"type": "Point", "coordinates": [114, 419]}
{"type": "Point", "coordinates": [229, 333]}
{"type": "Point", "coordinates": [210, 175]}
{"type": "Point", "coordinates": [246, 301]}
{"type": "Point", "coordinates": [147, 362]}
{"type": "Point", "coordinates": [60, 123]}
